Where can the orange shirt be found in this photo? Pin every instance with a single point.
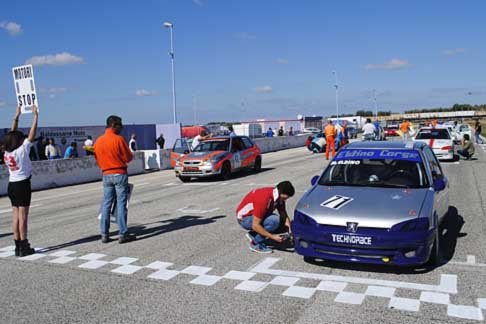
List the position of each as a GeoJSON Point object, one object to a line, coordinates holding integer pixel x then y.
{"type": "Point", "coordinates": [330, 131]}
{"type": "Point", "coordinates": [434, 123]}
{"type": "Point", "coordinates": [404, 127]}
{"type": "Point", "coordinates": [112, 153]}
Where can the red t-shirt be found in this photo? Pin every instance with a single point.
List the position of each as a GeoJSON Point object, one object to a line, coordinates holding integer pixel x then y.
{"type": "Point", "coordinates": [259, 203]}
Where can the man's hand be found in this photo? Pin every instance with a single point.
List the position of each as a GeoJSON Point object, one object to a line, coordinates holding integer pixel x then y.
{"type": "Point", "coordinates": [35, 110]}
{"type": "Point", "coordinates": [277, 238]}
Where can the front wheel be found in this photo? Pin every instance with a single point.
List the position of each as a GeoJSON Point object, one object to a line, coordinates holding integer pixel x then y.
{"type": "Point", "coordinates": [226, 171]}
{"type": "Point", "coordinates": [434, 258]}
{"type": "Point", "coordinates": [185, 179]}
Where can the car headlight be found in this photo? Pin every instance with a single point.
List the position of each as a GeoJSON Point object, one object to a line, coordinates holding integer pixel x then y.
{"type": "Point", "coordinates": [178, 163]}
{"type": "Point", "coordinates": [304, 219]}
{"type": "Point", "coordinates": [418, 224]}
{"type": "Point", "coordinates": [208, 163]}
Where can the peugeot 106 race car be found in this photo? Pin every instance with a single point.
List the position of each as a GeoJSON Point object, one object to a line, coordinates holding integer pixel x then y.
{"type": "Point", "coordinates": [219, 156]}
{"type": "Point", "coordinates": [439, 139]}
{"type": "Point", "coordinates": [376, 202]}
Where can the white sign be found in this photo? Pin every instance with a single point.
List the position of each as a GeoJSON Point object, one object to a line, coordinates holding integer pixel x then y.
{"type": "Point", "coordinates": [25, 88]}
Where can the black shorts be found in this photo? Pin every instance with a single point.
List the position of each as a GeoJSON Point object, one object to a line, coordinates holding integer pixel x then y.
{"type": "Point", "coordinates": [20, 193]}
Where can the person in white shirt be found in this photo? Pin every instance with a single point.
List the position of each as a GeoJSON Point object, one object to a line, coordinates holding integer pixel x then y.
{"type": "Point", "coordinates": [133, 143]}
{"type": "Point", "coordinates": [201, 137]}
{"type": "Point", "coordinates": [369, 130]}
{"type": "Point", "coordinates": [88, 144]}
{"type": "Point", "coordinates": [17, 160]}
{"type": "Point", "coordinates": [52, 150]}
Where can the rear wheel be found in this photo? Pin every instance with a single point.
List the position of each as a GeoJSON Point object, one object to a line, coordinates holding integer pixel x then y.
{"type": "Point", "coordinates": [185, 179]}
{"type": "Point", "coordinates": [258, 164]}
{"type": "Point", "coordinates": [226, 171]}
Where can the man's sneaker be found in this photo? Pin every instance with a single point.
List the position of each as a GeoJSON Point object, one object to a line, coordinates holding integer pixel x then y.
{"type": "Point", "coordinates": [260, 248]}
{"type": "Point", "coordinates": [127, 238]}
{"type": "Point", "coordinates": [105, 238]}
{"type": "Point", "coordinates": [250, 238]}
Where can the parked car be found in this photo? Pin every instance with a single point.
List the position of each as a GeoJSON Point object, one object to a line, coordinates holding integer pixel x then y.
{"type": "Point", "coordinates": [352, 132]}
{"type": "Point", "coordinates": [309, 131]}
{"type": "Point", "coordinates": [219, 156]}
{"type": "Point", "coordinates": [439, 139]}
{"type": "Point", "coordinates": [391, 131]}
{"type": "Point", "coordinates": [339, 217]}
{"type": "Point", "coordinates": [465, 129]}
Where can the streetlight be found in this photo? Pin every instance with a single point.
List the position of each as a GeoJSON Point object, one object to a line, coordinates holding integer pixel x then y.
{"type": "Point", "coordinates": [336, 86]}
{"type": "Point", "coordinates": [171, 54]}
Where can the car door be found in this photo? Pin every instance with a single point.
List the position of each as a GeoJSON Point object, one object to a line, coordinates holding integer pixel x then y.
{"type": "Point", "coordinates": [180, 148]}
{"type": "Point", "coordinates": [247, 156]}
{"type": "Point", "coordinates": [236, 150]}
{"type": "Point", "coordinates": [441, 200]}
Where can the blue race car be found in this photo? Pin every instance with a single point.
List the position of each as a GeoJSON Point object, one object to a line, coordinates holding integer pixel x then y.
{"type": "Point", "coordinates": [376, 202]}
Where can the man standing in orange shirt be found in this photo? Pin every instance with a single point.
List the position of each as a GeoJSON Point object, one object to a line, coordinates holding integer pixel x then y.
{"type": "Point", "coordinates": [113, 155]}
{"type": "Point", "coordinates": [405, 128]}
{"type": "Point", "coordinates": [434, 123]}
{"type": "Point", "coordinates": [330, 133]}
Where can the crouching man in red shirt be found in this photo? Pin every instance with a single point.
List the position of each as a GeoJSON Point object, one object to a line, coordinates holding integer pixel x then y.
{"type": "Point", "coordinates": [256, 214]}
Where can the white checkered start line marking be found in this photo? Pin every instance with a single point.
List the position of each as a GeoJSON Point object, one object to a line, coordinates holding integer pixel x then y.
{"type": "Point", "coordinates": [435, 294]}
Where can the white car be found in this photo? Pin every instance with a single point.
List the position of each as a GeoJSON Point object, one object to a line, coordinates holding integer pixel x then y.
{"type": "Point", "coordinates": [440, 141]}
{"type": "Point", "coordinates": [310, 131]}
{"type": "Point", "coordinates": [456, 136]}
{"type": "Point", "coordinates": [465, 129]}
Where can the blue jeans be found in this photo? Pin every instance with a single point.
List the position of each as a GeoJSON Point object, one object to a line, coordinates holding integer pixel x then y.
{"type": "Point", "coordinates": [115, 186]}
{"type": "Point", "coordinates": [464, 153]}
{"type": "Point", "coordinates": [269, 223]}
{"type": "Point", "coordinates": [478, 138]}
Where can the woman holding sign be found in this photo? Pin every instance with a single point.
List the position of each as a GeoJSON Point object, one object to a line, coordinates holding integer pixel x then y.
{"type": "Point", "coordinates": [17, 148]}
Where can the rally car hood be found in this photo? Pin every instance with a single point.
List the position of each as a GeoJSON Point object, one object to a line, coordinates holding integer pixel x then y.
{"type": "Point", "coordinates": [202, 156]}
{"type": "Point", "coordinates": [369, 207]}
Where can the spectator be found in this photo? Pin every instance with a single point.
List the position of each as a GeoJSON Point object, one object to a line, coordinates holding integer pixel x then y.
{"type": "Point", "coordinates": [477, 131]}
{"type": "Point", "coordinates": [281, 131]}
{"type": "Point", "coordinates": [201, 137]}
{"type": "Point", "coordinates": [112, 155]}
{"type": "Point", "coordinates": [344, 132]}
{"type": "Point", "coordinates": [41, 148]}
{"type": "Point", "coordinates": [133, 143]}
{"type": "Point", "coordinates": [2, 152]}
{"type": "Point", "coordinates": [330, 132]}
{"type": "Point", "coordinates": [71, 151]}
{"type": "Point", "coordinates": [231, 131]}
{"type": "Point", "coordinates": [16, 157]}
{"type": "Point", "coordinates": [52, 150]}
{"type": "Point", "coordinates": [269, 132]}
{"type": "Point", "coordinates": [88, 146]}
{"type": "Point", "coordinates": [467, 150]}
{"type": "Point", "coordinates": [291, 131]}
{"type": "Point", "coordinates": [160, 141]}
{"type": "Point", "coordinates": [368, 130]}
{"type": "Point", "coordinates": [405, 128]}
{"type": "Point", "coordinates": [256, 214]}
{"type": "Point", "coordinates": [434, 123]}
{"type": "Point", "coordinates": [377, 130]}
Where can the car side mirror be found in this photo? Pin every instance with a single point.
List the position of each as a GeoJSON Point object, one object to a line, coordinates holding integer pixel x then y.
{"type": "Point", "coordinates": [314, 180]}
{"type": "Point", "coordinates": [439, 184]}
{"type": "Point", "coordinates": [186, 152]}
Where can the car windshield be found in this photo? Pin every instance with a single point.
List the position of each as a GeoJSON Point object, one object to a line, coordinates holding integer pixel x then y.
{"type": "Point", "coordinates": [208, 146]}
{"type": "Point", "coordinates": [464, 128]}
{"type": "Point", "coordinates": [376, 172]}
{"type": "Point", "coordinates": [426, 134]}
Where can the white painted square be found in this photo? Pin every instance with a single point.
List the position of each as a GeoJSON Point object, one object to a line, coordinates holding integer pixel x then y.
{"type": "Point", "coordinates": [62, 253]}
{"type": "Point", "coordinates": [8, 248]}
{"type": "Point", "coordinates": [127, 269]}
{"type": "Point", "coordinates": [7, 254]}
{"type": "Point", "coordinates": [332, 286]}
{"type": "Point", "coordinates": [406, 304]}
{"type": "Point", "coordinates": [164, 274]}
{"type": "Point", "coordinates": [350, 298]}
{"type": "Point", "coordinates": [482, 303]}
{"type": "Point", "coordinates": [62, 260]}
{"type": "Point", "coordinates": [254, 286]}
{"type": "Point", "coordinates": [435, 298]}
{"type": "Point", "coordinates": [92, 256]}
{"type": "Point", "coordinates": [33, 257]}
{"type": "Point", "coordinates": [95, 264]}
{"type": "Point", "coordinates": [239, 275]}
{"type": "Point", "coordinates": [466, 312]}
{"type": "Point", "coordinates": [299, 292]}
{"type": "Point", "coordinates": [123, 261]}
{"type": "Point", "coordinates": [206, 280]}
{"type": "Point", "coordinates": [284, 281]}
{"type": "Point", "coordinates": [158, 265]}
{"type": "Point", "coordinates": [471, 259]}
{"type": "Point", "coordinates": [378, 291]}
{"type": "Point", "coordinates": [196, 271]}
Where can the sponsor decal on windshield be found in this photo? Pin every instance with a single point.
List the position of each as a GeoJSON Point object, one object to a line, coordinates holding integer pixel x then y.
{"type": "Point", "coordinates": [350, 154]}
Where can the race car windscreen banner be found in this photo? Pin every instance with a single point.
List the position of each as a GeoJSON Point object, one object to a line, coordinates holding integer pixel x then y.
{"type": "Point", "coordinates": [380, 154]}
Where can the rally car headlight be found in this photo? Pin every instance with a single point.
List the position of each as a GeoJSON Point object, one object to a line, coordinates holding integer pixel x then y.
{"type": "Point", "coordinates": [304, 219]}
{"type": "Point", "coordinates": [178, 163]}
{"type": "Point", "coordinates": [418, 224]}
{"type": "Point", "coordinates": [208, 163]}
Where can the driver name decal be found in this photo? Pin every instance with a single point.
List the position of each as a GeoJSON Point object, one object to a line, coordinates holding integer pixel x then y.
{"type": "Point", "coordinates": [354, 154]}
{"type": "Point", "coordinates": [336, 202]}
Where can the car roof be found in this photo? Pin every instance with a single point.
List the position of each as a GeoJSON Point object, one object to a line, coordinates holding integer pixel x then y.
{"type": "Point", "coordinates": [386, 145]}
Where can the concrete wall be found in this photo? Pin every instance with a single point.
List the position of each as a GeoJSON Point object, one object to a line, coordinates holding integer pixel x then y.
{"type": "Point", "coordinates": [272, 144]}
{"type": "Point", "coordinates": [51, 174]}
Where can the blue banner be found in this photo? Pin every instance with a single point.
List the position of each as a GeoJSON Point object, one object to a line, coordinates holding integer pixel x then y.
{"type": "Point", "coordinates": [380, 154]}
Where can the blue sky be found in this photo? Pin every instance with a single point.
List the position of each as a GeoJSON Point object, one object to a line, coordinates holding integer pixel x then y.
{"type": "Point", "coordinates": [239, 60]}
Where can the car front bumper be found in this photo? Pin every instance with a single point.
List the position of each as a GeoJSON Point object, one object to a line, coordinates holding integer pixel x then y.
{"type": "Point", "coordinates": [386, 248]}
{"type": "Point", "coordinates": [444, 155]}
{"type": "Point", "coordinates": [197, 172]}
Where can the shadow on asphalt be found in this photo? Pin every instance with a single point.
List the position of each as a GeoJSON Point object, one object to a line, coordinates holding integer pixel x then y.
{"type": "Point", "coordinates": [450, 230]}
{"type": "Point", "coordinates": [145, 231]}
{"type": "Point", "coordinates": [5, 234]}
{"type": "Point", "coordinates": [236, 175]}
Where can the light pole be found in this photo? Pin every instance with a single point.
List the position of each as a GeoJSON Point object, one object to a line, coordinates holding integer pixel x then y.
{"type": "Point", "coordinates": [376, 105]}
{"type": "Point", "coordinates": [194, 107]}
{"type": "Point", "coordinates": [171, 54]}
{"type": "Point", "coordinates": [337, 96]}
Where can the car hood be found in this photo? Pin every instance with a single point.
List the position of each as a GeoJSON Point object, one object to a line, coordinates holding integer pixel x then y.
{"type": "Point", "coordinates": [203, 156]}
{"type": "Point", "coordinates": [369, 207]}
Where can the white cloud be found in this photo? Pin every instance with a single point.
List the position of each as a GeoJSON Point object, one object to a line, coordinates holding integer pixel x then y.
{"type": "Point", "coordinates": [393, 64]}
{"type": "Point", "coordinates": [12, 28]}
{"type": "Point", "coordinates": [145, 93]}
{"type": "Point", "coordinates": [55, 59]}
{"type": "Point", "coordinates": [281, 61]}
{"type": "Point", "coordinates": [245, 36]}
{"type": "Point", "coordinates": [57, 90]}
{"type": "Point", "coordinates": [198, 3]}
{"type": "Point", "coordinates": [264, 89]}
{"type": "Point", "coordinates": [454, 51]}
{"type": "Point", "coordinates": [3, 103]}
